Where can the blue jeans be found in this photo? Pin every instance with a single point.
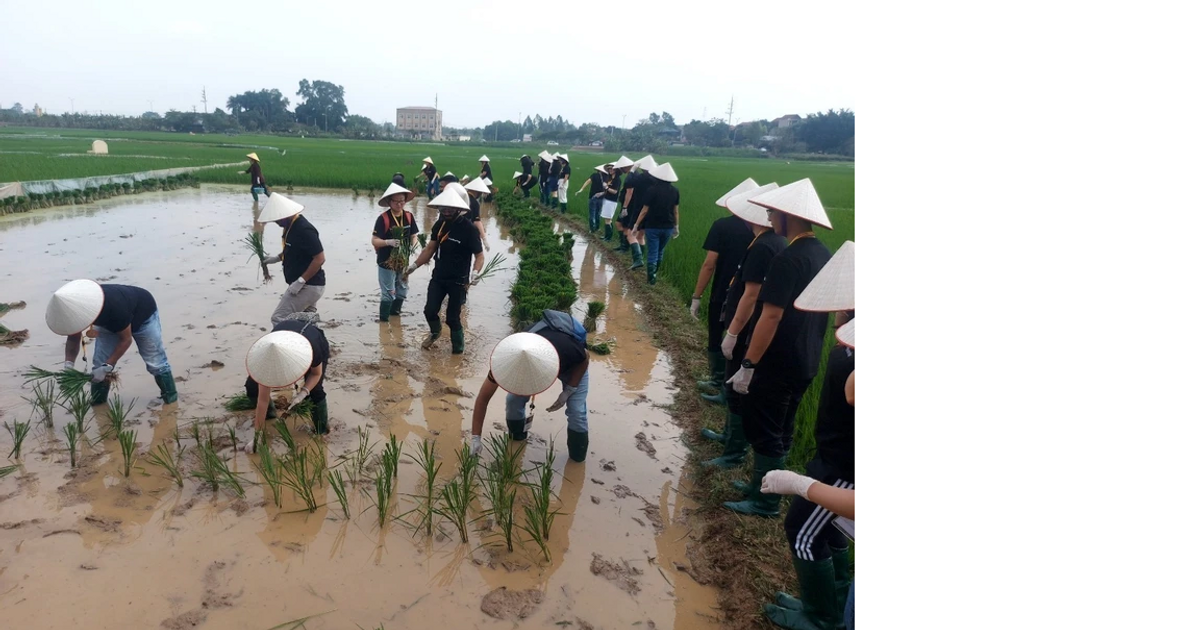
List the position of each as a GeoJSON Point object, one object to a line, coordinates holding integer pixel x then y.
{"type": "Point", "coordinates": [656, 243]}
{"type": "Point", "coordinates": [514, 407]}
{"type": "Point", "coordinates": [392, 286]}
{"type": "Point", "coordinates": [849, 613]}
{"type": "Point", "coordinates": [594, 212]}
{"type": "Point", "coordinates": [149, 343]}
{"type": "Point", "coordinates": [550, 191]}
{"type": "Point", "coordinates": [433, 188]}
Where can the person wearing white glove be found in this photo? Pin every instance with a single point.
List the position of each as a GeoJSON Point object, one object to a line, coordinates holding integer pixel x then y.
{"type": "Point", "coordinates": [741, 379]}
{"type": "Point", "coordinates": [101, 373]}
{"type": "Point", "coordinates": [456, 241]}
{"type": "Point", "coordinates": [293, 344]}
{"type": "Point", "coordinates": [298, 398]}
{"type": "Point", "coordinates": [303, 257]}
{"type": "Point", "coordinates": [68, 365]}
{"type": "Point", "coordinates": [271, 260]}
{"type": "Point", "coordinates": [296, 287]}
{"type": "Point", "coordinates": [567, 392]}
{"type": "Point", "coordinates": [392, 266]}
{"type": "Point", "coordinates": [694, 309]}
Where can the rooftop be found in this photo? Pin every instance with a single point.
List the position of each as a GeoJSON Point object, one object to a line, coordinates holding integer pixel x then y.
{"type": "Point", "coordinates": [419, 107]}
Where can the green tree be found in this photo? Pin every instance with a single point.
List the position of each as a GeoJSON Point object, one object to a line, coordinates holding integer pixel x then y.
{"type": "Point", "coordinates": [324, 104]}
{"type": "Point", "coordinates": [264, 110]}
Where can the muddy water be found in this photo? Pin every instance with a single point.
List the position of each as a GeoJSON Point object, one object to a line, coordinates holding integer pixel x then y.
{"type": "Point", "coordinates": [90, 547]}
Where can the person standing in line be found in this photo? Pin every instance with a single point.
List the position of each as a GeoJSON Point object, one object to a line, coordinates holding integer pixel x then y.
{"type": "Point", "coordinates": [258, 185]}
{"type": "Point", "coordinates": [432, 185]}
{"type": "Point", "coordinates": [564, 182]}
{"type": "Point", "coordinates": [556, 165]}
{"type": "Point", "coordinates": [525, 183]}
{"type": "Point", "coordinates": [393, 290]}
{"type": "Point", "coordinates": [608, 209]}
{"type": "Point", "coordinates": [302, 256]}
{"type": "Point", "coordinates": [485, 173]}
{"type": "Point", "coordinates": [545, 161]}
{"type": "Point", "coordinates": [295, 351]}
{"type": "Point", "coordinates": [526, 165]}
{"type": "Point", "coordinates": [599, 182]}
{"type": "Point", "coordinates": [476, 189]}
{"type": "Point", "coordinates": [658, 218]}
{"type": "Point", "coordinates": [631, 205]}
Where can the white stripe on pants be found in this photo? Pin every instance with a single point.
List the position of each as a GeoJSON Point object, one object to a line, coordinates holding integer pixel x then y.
{"type": "Point", "coordinates": [818, 520]}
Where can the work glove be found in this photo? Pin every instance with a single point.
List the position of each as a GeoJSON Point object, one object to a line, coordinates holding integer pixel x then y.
{"type": "Point", "coordinates": [624, 212]}
{"type": "Point", "coordinates": [474, 277]}
{"type": "Point", "coordinates": [298, 398]}
{"type": "Point", "coordinates": [695, 308]}
{"type": "Point", "coordinates": [392, 242]}
{"type": "Point", "coordinates": [786, 482]}
{"type": "Point", "coordinates": [296, 286]}
{"type": "Point", "coordinates": [727, 345]}
{"type": "Point", "coordinates": [271, 260]}
{"type": "Point", "coordinates": [101, 373]}
{"type": "Point", "coordinates": [68, 365]}
{"type": "Point", "coordinates": [566, 394]}
{"type": "Point", "coordinates": [597, 195]}
{"type": "Point", "coordinates": [408, 272]}
{"type": "Point", "coordinates": [741, 380]}
{"type": "Point", "coordinates": [675, 234]}
{"type": "Point", "coordinates": [476, 444]}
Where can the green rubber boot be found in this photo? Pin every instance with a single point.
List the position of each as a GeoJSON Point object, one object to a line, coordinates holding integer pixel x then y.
{"type": "Point", "coordinates": [709, 434]}
{"type": "Point", "coordinates": [320, 417]}
{"type": "Point", "coordinates": [458, 341]}
{"type": "Point", "coordinates": [100, 393]}
{"type": "Point", "coordinates": [757, 503]}
{"type": "Point", "coordinates": [735, 444]}
{"type": "Point", "coordinates": [638, 263]}
{"type": "Point", "coordinates": [562, 207]}
{"type": "Point", "coordinates": [396, 304]}
{"type": "Point", "coordinates": [516, 429]}
{"type": "Point", "coordinates": [624, 243]}
{"type": "Point", "coordinates": [577, 445]}
{"type": "Point", "coordinates": [819, 608]}
{"type": "Point", "coordinates": [716, 373]}
{"type": "Point", "coordinates": [271, 414]}
{"type": "Point", "coordinates": [385, 309]}
{"type": "Point", "coordinates": [652, 273]}
{"type": "Point", "coordinates": [166, 387]}
{"type": "Point", "coordinates": [842, 577]}
{"type": "Point", "coordinates": [716, 399]}
{"type": "Point", "coordinates": [608, 232]}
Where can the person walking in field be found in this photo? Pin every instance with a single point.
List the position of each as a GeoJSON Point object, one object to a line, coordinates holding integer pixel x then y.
{"type": "Point", "coordinates": [631, 205]}
{"type": "Point", "coordinates": [658, 220]}
{"type": "Point", "coordinates": [295, 351]}
{"type": "Point", "coordinates": [598, 183]}
{"type": "Point", "coordinates": [258, 185]}
{"type": "Point", "coordinates": [545, 161]}
{"type": "Point", "coordinates": [608, 207]}
{"type": "Point", "coordinates": [564, 182]}
{"type": "Point", "coordinates": [453, 242]}
{"type": "Point", "coordinates": [432, 185]}
{"type": "Point", "coordinates": [485, 173]}
{"type": "Point", "coordinates": [118, 316]}
{"type": "Point", "coordinates": [393, 289]}
{"type": "Point", "coordinates": [476, 190]}
{"type": "Point", "coordinates": [303, 257]}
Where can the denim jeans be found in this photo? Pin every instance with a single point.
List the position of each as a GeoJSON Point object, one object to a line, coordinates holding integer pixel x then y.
{"type": "Point", "coordinates": [594, 212]}
{"type": "Point", "coordinates": [849, 612]}
{"type": "Point", "coordinates": [392, 286]}
{"type": "Point", "coordinates": [656, 243]}
{"type": "Point", "coordinates": [514, 406]}
{"type": "Point", "coordinates": [550, 192]}
{"type": "Point", "coordinates": [433, 188]}
{"type": "Point", "coordinates": [149, 343]}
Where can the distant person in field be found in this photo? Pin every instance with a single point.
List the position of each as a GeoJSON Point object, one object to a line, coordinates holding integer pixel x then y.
{"type": "Point", "coordinates": [658, 220]}
{"type": "Point", "coordinates": [432, 185]}
{"type": "Point", "coordinates": [258, 185]}
{"type": "Point", "coordinates": [596, 184]}
{"type": "Point", "coordinates": [556, 165]}
{"type": "Point", "coordinates": [608, 207]}
{"type": "Point", "coordinates": [398, 179]}
{"type": "Point", "coordinates": [544, 162]}
{"type": "Point", "coordinates": [393, 289]}
{"type": "Point", "coordinates": [485, 172]}
{"type": "Point", "coordinates": [564, 182]}
{"type": "Point", "coordinates": [303, 257]}
{"type": "Point", "coordinates": [525, 183]}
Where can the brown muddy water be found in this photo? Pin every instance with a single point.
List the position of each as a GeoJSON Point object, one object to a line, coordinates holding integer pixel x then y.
{"type": "Point", "coordinates": [90, 548]}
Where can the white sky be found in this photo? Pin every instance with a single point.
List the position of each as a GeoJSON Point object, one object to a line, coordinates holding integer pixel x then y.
{"type": "Point", "coordinates": [484, 63]}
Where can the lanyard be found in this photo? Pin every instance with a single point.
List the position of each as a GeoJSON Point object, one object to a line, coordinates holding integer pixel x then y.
{"type": "Point", "coordinates": [283, 250]}
{"type": "Point", "coordinates": [800, 236]}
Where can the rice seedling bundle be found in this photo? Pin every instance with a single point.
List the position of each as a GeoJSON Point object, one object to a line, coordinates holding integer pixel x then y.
{"type": "Point", "coordinates": [18, 431]}
{"type": "Point", "coordinates": [254, 242]}
{"type": "Point", "coordinates": [403, 253]}
{"type": "Point", "coordinates": [170, 461]}
{"type": "Point", "coordinates": [490, 269]}
{"type": "Point", "coordinates": [69, 381]}
{"type": "Point", "coordinates": [339, 488]}
{"type": "Point", "coordinates": [239, 402]}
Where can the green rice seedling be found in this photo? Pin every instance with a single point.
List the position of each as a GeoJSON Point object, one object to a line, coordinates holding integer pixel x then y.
{"type": "Point", "coordinates": [405, 252]}
{"type": "Point", "coordinates": [168, 460]}
{"type": "Point", "coordinates": [225, 477]}
{"type": "Point", "coordinates": [339, 488]}
{"type": "Point", "coordinates": [7, 470]}
{"type": "Point", "coordinates": [272, 473]}
{"type": "Point", "coordinates": [422, 239]}
{"type": "Point", "coordinates": [426, 460]}
{"type": "Point", "coordinates": [459, 493]}
{"type": "Point", "coordinates": [78, 406]}
{"type": "Point", "coordinates": [302, 471]}
{"type": "Point", "coordinates": [240, 402]}
{"type": "Point", "coordinates": [178, 440]}
{"type": "Point", "coordinates": [595, 309]}
{"type": "Point", "coordinates": [391, 456]}
{"type": "Point", "coordinates": [539, 516]}
{"type": "Point", "coordinates": [44, 400]}
{"type": "Point", "coordinates": [500, 484]}
{"type": "Point", "coordinates": [492, 267]}
{"type": "Point", "coordinates": [71, 431]}
{"type": "Point", "coordinates": [232, 436]}
{"type": "Point", "coordinates": [285, 434]}
{"type": "Point", "coordinates": [254, 243]}
{"type": "Point", "coordinates": [128, 446]}
{"type": "Point", "coordinates": [383, 493]}
{"type": "Point", "coordinates": [209, 472]}
{"type": "Point", "coordinates": [118, 413]}
{"type": "Point", "coordinates": [69, 381]}
{"type": "Point", "coordinates": [603, 347]}
{"type": "Point", "coordinates": [18, 431]}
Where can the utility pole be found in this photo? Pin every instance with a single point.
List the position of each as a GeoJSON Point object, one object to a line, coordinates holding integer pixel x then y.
{"type": "Point", "coordinates": [622, 122]}
{"type": "Point", "coordinates": [204, 98]}
{"type": "Point", "coordinates": [151, 101]}
{"type": "Point", "coordinates": [72, 105]}
{"type": "Point", "coordinates": [730, 112]}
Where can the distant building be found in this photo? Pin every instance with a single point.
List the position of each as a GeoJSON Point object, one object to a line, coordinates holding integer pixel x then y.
{"type": "Point", "coordinates": [783, 122]}
{"type": "Point", "coordinates": [464, 138]}
{"type": "Point", "coordinates": [419, 122]}
{"type": "Point", "coordinates": [38, 111]}
{"type": "Point", "coordinates": [527, 137]}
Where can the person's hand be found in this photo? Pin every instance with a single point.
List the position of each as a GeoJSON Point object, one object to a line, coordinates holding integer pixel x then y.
{"type": "Point", "coordinates": [566, 394]}
{"type": "Point", "coordinates": [271, 260]}
{"type": "Point", "coordinates": [741, 380]}
{"type": "Point", "coordinates": [727, 345]}
{"type": "Point", "coordinates": [296, 286]}
{"type": "Point", "coordinates": [695, 308]}
{"type": "Point", "coordinates": [597, 195]}
{"type": "Point", "coordinates": [391, 242]}
{"type": "Point", "coordinates": [675, 234]}
{"type": "Point", "coordinates": [474, 277]}
{"type": "Point", "coordinates": [476, 444]}
{"type": "Point", "coordinates": [408, 272]}
{"type": "Point", "coordinates": [786, 482]}
{"type": "Point", "coordinates": [298, 398]}
{"type": "Point", "coordinates": [101, 373]}
{"type": "Point", "coordinates": [68, 365]}
{"type": "Point", "coordinates": [624, 212]}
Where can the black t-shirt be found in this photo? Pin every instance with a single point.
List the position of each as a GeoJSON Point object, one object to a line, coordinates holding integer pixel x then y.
{"type": "Point", "coordinates": [555, 169]}
{"type": "Point", "coordinates": [570, 352]}
{"type": "Point", "coordinates": [458, 243]}
{"type": "Point", "coordinates": [526, 165]}
{"type": "Point", "coordinates": [835, 417]}
{"type": "Point", "coordinates": [661, 198]}
{"type": "Point", "coordinates": [639, 182]}
{"type": "Point", "coordinates": [256, 178]}
{"type": "Point", "coordinates": [486, 171]}
{"type": "Point", "coordinates": [430, 171]}
{"type": "Point", "coordinates": [473, 213]}
{"type": "Point", "coordinates": [543, 168]}
{"type": "Point", "coordinates": [729, 237]}
{"type": "Point", "coordinates": [566, 171]}
{"type": "Point", "coordinates": [527, 181]}
{"type": "Point", "coordinates": [598, 184]}
{"type": "Point", "coordinates": [800, 336]}
{"type": "Point", "coordinates": [314, 335]}
{"type": "Point", "coordinates": [302, 243]}
{"type": "Point", "coordinates": [615, 184]}
{"type": "Point", "coordinates": [753, 268]}
{"type": "Point", "coordinates": [125, 307]}
{"type": "Point", "coordinates": [383, 229]}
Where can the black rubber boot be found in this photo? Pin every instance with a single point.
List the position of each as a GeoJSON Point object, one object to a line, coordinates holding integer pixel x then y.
{"type": "Point", "coordinates": [624, 247]}
{"type": "Point", "coordinates": [757, 503]}
{"type": "Point", "coordinates": [166, 387]}
{"type": "Point", "coordinates": [637, 256]}
{"type": "Point", "coordinates": [716, 372]}
{"type": "Point", "coordinates": [842, 577]}
{"type": "Point", "coordinates": [396, 304]}
{"type": "Point", "coordinates": [458, 342]}
{"type": "Point", "coordinates": [734, 454]}
{"type": "Point", "coordinates": [320, 417]}
{"type": "Point", "coordinates": [100, 393]}
{"type": "Point", "coordinates": [271, 415]}
{"type": "Point", "coordinates": [818, 610]}
{"type": "Point", "coordinates": [577, 445]}
{"type": "Point", "coordinates": [608, 232]}
{"type": "Point", "coordinates": [652, 273]}
{"type": "Point", "coordinates": [385, 309]}
{"type": "Point", "coordinates": [516, 429]}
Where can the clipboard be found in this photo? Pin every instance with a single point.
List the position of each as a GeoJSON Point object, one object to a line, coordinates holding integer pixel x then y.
{"type": "Point", "coordinates": [844, 525]}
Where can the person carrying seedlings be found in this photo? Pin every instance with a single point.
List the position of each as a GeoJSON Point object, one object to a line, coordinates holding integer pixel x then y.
{"type": "Point", "coordinates": [295, 351]}
{"type": "Point", "coordinates": [545, 160]}
{"type": "Point", "coordinates": [392, 288]}
{"type": "Point", "coordinates": [784, 342]}
{"type": "Point", "coordinates": [454, 240]}
{"type": "Point", "coordinates": [258, 185]}
{"type": "Point", "coordinates": [598, 182]}
{"type": "Point", "coordinates": [302, 256]}
{"type": "Point", "coordinates": [485, 172]}
{"type": "Point", "coordinates": [432, 186]}
{"type": "Point", "coordinates": [564, 182]}
{"type": "Point", "coordinates": [118, 316]}
{"type": "Point", "coordinates": [608, 207]}
{"type": "Point", "coordinates": [658, 220]}
{"type": "Point", "coordinates": [526, 364]}
{"type": "Point", "coordinates": [631, 204]}
{"type": "Point", "coordinates": [727, 241]}
{"type": "Point", "coordinates": [525, 182]}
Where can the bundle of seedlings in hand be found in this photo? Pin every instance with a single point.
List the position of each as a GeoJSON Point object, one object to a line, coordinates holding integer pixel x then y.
{"type": "Point", "coordinates": [426, 459]}
{"type": "Point", "coordinates": [539, 517]}
{"type": "Point", "coordinates": [72, 434]}
{"type": "Point", "coordinates": [268, 468]}
{"type": "Point", "coordinates": [168, 460]}
{"type": "Point", "coordinates": [339, 488]}
{"type": "Point", "coordinates": [490, 269]}
{"type": "Point", "coordinates": [240, 402]}
{"type": "Point", "coordinates": [43, 401]}
{"type": "Point", "coordinates": [499, 484]}
{"type": "Point", "coordinates": [69, 381]}
{"type": "Point", "coordinates": [18, 431]}
{"type": "Point", "coordinates": [459, 493]}
{"type": "Point", "coordinates": [403, 253]}
{"type": "Point", "coordinates": [254, 242]}
{"type": "Point", "coordinates": [303, 470]}
{"type": "Point", "coordinates": [118, 413]}
{"type": "Point", "coordinates": [126, 439]}
{"type": "Point", "coordinates": [422, 239]}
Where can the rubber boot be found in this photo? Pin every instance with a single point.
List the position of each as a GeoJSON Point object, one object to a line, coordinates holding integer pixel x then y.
{"type": "Point", "coordinates": [562, 207]}
{"type": "Point", "coordinates": [516, 429]}
{"type": "Point", "coordinates": [320, 417]}
{"type": "Point", "coordinates": [396, 304]}
{"type": "Point", "coordinates": [842, 578]}
{"type": "Point", "coordinates": [757, 503]}
{"type": "Point", "coordinates": [385, 309]}
{"type": "Point", "coordinates": [624, 247]}
{"type": "Point", "coordinates": [435, 331]}
{"type": "Point", "coordinates": [716, 399]}
{"type": "Point", "coordinates": [458, 341]}
{"type": "Point", "coordinates": [271, 414]}
{"type": "Point", "coordinates": [652, 273]}
{"type": "Point", "coordinates": [716, 371]}
{"type": "Point", "coordinates": [734, 454]}
{"type": "Point", "coordinates": [637, 256]}
{"type": "Point", "coordinates": [100, 393]}
{"type": "Point", "coordinates": [709, 434]}
{"type": "Point", "coordinates": [166, 387]}
{"type": "Point", "coordinates": [608, 232]}
{"type": "Point", "coordinates": [577, 445]}
{"type": "Point", "coordinates": [818, 610]}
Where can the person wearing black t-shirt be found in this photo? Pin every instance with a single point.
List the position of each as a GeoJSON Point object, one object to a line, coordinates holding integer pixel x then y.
{"type": "Point", "coordinates": [476, 190]}
{"type": "Point", "coordinates": [551, 193]}
{"type": "Point", "coordinates": [525, 183]}
{"type": "Point", "coordinates": [485, 172]}
{"type": "Point", "coordinates": [432, 185]}
{"type": "Point", "coordinates": [658, 217]}
{"type": "Point", "coordinates": [392, 228]}
{"type": "Point", "coordinates": [598, 182]}
{"type": "Point", "coordinates": [312, 383]}
{"type": "Point", "coordinates": [453, 242]}
{"type": "Point", "coordinates": [526, 165]}
{"type": "Point", "coordinates": [608, 206]}
{"type": "Point", "coordinates": [303, 257]}
{"type": "Point", "coordinates": [544, 161]}
{"type": "Point", "coordinates": [564, 182]}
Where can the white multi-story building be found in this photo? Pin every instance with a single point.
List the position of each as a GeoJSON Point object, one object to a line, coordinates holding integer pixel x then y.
{"type": "Point", "coordinates": [419, 122]}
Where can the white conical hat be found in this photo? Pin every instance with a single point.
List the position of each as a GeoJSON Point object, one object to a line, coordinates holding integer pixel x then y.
{"type": "Point", "coordinates": [428, 159]}
{"type": "Point", "coordinates": [845, 334]}
{"type": "Point", "coordinates": [622, 162]}
{"type": "Point", "coordinates": [279, 207]}
{"type": "Point", "coordinates": [564, 157]}
{"type": "Point", "coordinates": [74, 306]}
{"type": "Point", "coordinates": [747, 184]}
{"type": "Point", "coordinates": [741, 207]}
{"type": "Point", "coordinates": [486, 182]}
{"type": "Point", "coordinates": [393, 189]}
{"type": "Point", "coordinates": [524, 364]}
{"type": "Point", "coordinates": [279, 358]}
{"type": "Point", "coordinates": [664, 173]}
{"type": "Point", "coordinates": [646, 163]}
{"type": "Point", "coordinates": [517, 174]}
{"type": "Point", "coordinates": [449, 199]}
{"type": "Point", "coordinates": [484, 159]}
{"type": "Point", "coordinates": [798, 199]}
{"type": "Point", "coordinates": [478, 186]}
{"type": "Point", "coordinates": [448, 174]}
{"type": "Point", "coordinates": [253, 156]}
{"type": "Point", "coordinates": [459, 189]}
{"type": "Point", "coordinates": [546, 156]}
{"type": "Point", "coordinates": [832, 289]}
{"type": "Point", "coordinates": [602, 168]}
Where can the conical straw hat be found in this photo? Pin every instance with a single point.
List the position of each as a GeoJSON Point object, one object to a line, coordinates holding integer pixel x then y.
{"type": "Point", "coordinates": [747, 184]}
{"type": "Point", "coordinates": [798, 199]}
{"type": "Point", "coordinates": [845, 334]}
{"type": "Point", "coordinates": [478, 186]}
{"type": "Point", "coordinates": [428, 159]}
{"type": "Point", "coordinates": [74, 306]}
{"type": "Point", "coordinates": [486, 182]}
{"type": "Point", "coordinates": [448, 174]}
{"type": "Point", "coordinates": [279, 358]}
{"type": "Point", "coordinates": [564, 157]}
{"type": "Point", "coordinates": [664, 173]}
{"type": "Point", "coordinates": [546, 156]}
{"type": "Point", "coordinates": [741, 207]}
{"type": "Point", "coordinates": [647, 163]}
{"type": "Point", "coordinates": [459, 189]}
{"type": "Point", "coordinates": [279, 207]}
{"type": "Point", "coordinates": [484, 159]}
{"type": "Point", "coordinates": [517, 174]}
{"type": "Point", "coordinates": [393, 189]}
{"type": "Point", "coordinates": [622, 162]}
{"type": "Point", "coordinates": [449, 199]}
{"type": "Point", "coordinates": [524, 364]}
{"type": "Point", "coordinates": [253, 156]}
{"type": "Point", "coordinates": [832, 289]}
{"type": "Point", "coordinates": [602, 168]}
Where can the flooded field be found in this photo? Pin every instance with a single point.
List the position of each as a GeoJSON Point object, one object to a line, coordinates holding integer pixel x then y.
{"type": "Point", "coordinates": [91, 548]}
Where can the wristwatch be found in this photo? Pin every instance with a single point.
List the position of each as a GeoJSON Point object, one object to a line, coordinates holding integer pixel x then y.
{"type": "Point", "coordinates": [748, 364]}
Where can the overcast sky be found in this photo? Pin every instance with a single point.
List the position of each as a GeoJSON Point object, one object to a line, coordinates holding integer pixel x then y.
{"type": "Point", "coordinates": [588, 62]}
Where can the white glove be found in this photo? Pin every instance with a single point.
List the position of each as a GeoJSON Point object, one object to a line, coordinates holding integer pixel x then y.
{"type": "Point", "coordinates": [101, 373]}
{"type": "Point", "coordinates": [675, 234]}
{"type": "Point", "coordinates": [695, 308]}
{"type": "Point", "coordinates": [727, 345]}
{"type": "Point", "coordinates": [68, 365]}
{"type": "Point", "coordinates": [624, 212]}
{"type": "Point", "coordinates": [476, 444]}
{"type": "Point", "coordinates": [786, 482]}
{"type": "Point", "coordinates": [474, 277]}
{"type": "Point", "coordinates": [271, 260]}
{"type": "Point", "coordinates": [392, 242]}
{"type": "Point", "coordinates": [408, 272]}
{"type": "Point", "coordinates": [295, 287]}
{"type": "Point", "coordinates": [298, 398]}
{"type": "Point", "coordinates": [597, 195]}
{"type": "Point", "coordinates": [741, 380]}
{"type": "Point", "coordinates": [566, 394]}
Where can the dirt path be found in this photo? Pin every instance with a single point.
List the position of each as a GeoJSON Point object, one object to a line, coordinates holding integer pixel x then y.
{"type": "Point", "coordinates": [138, 552]}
